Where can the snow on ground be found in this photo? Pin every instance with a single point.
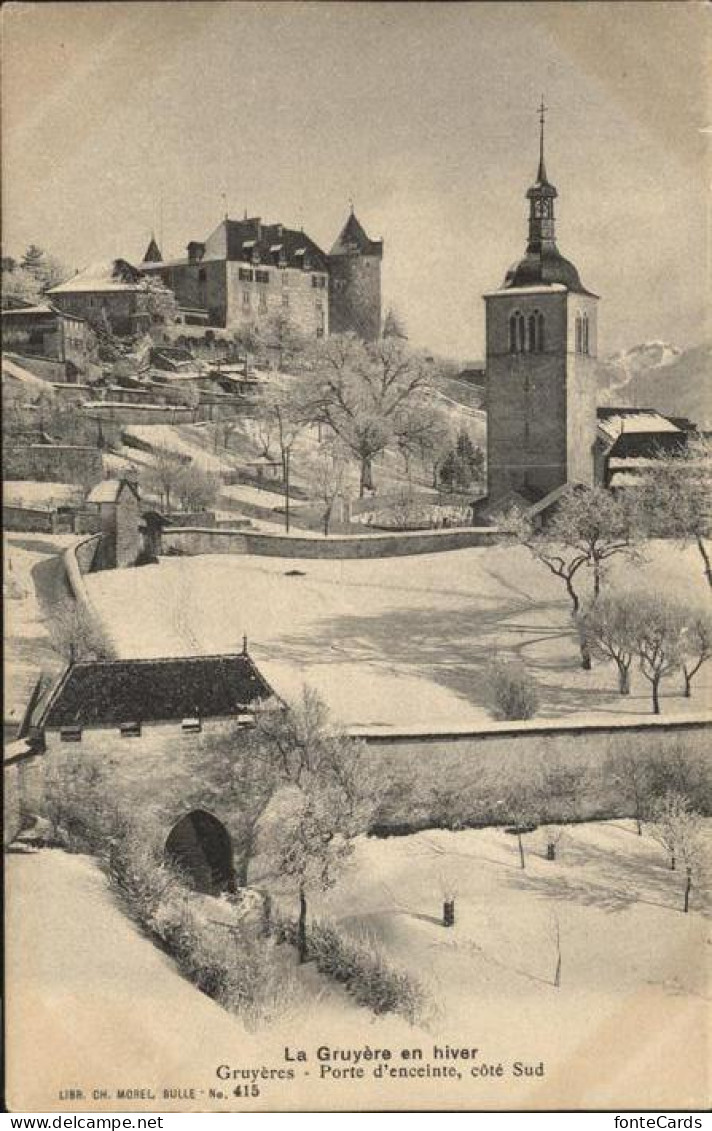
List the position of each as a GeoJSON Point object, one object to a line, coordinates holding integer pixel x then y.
{"type": "Point", "coordinates": [397, 642]}
{"type": "Point", "coordinates": [92, 1003]}
{"type": "Point", "coordinates": [177, 440]}
{"type": "Point", "coordinates": [32, 574]}
{"type": "Point", "coordinates": [635, 973]}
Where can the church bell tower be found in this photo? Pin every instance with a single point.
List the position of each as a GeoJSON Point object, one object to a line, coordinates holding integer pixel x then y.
{"type": "Point", "coordinates": [541, 336]}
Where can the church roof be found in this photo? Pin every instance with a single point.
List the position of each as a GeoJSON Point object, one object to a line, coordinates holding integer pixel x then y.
{"type": "Point", "coordinates": [545, 266]}
{"type": "Point", "coordinates": [353, 238]}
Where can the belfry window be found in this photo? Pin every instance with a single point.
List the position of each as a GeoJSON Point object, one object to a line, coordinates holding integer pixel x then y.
{"type": "Point", "coordinates": [526, 334]}
{"type": "Point", "coordinates": [582, 337]}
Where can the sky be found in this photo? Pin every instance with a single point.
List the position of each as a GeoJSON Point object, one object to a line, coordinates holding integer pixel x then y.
{"type": "Point", "coordinates": [423, 114]}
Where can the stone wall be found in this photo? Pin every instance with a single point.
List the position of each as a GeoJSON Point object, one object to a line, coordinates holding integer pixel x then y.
{"type": "Point", "coordinates": [478, 765]}
{"type": "Point", "coordinates": [166, 772]}
{"type": "Point", "coordinates": [29, 518]}
{"type": "Point", "coordinates": [205, 541]}
{"type": "Point", "coordinates": [117, 413]}
{"type": "Point", "coordinates": [54, 463]}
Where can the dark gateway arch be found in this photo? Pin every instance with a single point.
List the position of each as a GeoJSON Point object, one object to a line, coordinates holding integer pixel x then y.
{"type": "Point", "coordinates": [201, 847]}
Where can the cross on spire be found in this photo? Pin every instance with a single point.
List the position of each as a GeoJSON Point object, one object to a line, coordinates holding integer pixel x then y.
{"type": "Point", "coordinates": [541, 110]}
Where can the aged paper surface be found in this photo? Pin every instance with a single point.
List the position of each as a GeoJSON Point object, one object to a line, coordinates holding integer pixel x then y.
{"type": "Point", "coordinates": [356, 556]}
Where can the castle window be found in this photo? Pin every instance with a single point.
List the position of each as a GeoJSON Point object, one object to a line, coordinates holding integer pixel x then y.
{"type": "Point", "coordinates": [262, 276]}
{"type": "Point", "coordinates": [191, 726]}
{"type": "Point", "coordinates": [130, 730]}
{"type": "Point", "coordinates": [263, 302]}
{"type": "Point", "coordinates": [246, 300]}
{"type": "Point", "coordinates": [245, 275]}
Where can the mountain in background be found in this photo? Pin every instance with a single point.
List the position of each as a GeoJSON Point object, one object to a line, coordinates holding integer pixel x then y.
{"type": "Point", "coordinates": [657, 375]}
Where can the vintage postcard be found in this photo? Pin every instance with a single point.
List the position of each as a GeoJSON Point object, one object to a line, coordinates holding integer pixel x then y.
{"type": "Point", "coordinates": [357, 560]}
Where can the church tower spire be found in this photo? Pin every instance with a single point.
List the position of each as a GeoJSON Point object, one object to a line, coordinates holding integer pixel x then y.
{"type": "Point", "coordinates": [541, 196]}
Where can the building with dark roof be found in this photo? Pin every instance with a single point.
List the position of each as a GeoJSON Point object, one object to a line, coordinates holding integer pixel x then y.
{"type": "Point", "coordinates": [186, 690]}
{"type": "Point", "coordinates": [630, 440]}
{"type": "Point", "coordinates": [112, 291]}
{"type": "Point", "coordinates": [541, 334]}
{"type": "Point", "coordinates": [248, 272]}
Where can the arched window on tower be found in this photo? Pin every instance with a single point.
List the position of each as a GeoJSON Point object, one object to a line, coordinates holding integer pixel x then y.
{"type": "Point", "coordinates": [531, 333]}
{"type": "Point", "coordinates": [579, 332]}
{"type": "Point", "coordinates": [584, 334]}
{"type": "Point", "coordinates": [521, 333]}
{"type": "Point", "coordinates": [513, 333]}
{"type": "Point", "coordinates": [540, 332]}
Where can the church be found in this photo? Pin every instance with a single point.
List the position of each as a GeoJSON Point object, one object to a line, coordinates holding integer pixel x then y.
{"type": "Point", "coordinates": [545, 429]}
{"type": "Point", "coordinates": [541, 346]}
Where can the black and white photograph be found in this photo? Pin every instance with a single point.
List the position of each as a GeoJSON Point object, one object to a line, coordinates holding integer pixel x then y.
{"type": "Point", "coordinates": [357, 556]}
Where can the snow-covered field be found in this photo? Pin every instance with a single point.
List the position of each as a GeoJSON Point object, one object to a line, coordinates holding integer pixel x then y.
{"type": "Point", "coordinates": [635, 970]}
{"type": "Point", "coordinates": [389, 642]}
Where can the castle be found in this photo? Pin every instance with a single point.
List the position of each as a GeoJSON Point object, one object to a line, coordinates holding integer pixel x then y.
{"type": "Point", "coordinates": [247, 272]}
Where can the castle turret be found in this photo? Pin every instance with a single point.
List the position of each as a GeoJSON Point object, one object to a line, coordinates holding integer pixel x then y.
{"type": "Point", "coordinates": [355, 282]}
{"type": "Point", "coordinates": [153, 252]}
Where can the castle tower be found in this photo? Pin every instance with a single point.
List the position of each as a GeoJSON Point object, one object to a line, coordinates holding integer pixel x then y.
{"type": "Point", "coordinates": [541, 348]}
{"type": "Point", "coordinates": [355, 282]}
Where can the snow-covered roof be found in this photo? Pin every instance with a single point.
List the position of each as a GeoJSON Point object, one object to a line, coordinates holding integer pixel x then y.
{"type": "Point", "coordinates": [108, 491]}
{"type": "Point", "coordinates": [613, 423]}
{"type": "Point", "coordinates": [544, 289]}
{"type": "Point", "coordinates": [106, 275]}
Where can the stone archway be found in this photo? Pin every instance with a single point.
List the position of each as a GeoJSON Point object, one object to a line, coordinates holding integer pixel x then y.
{"type": "Point", "coordinates": [201, 847]}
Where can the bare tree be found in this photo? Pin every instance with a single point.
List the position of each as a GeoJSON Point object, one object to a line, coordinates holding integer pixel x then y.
{"type": "Point", "coordinates": [196, 488]}
{"type": "Point", "coordinates": [678, 828]}
{"type": "Point", "coordinates": [674, 498]}
{"type": "Point", "coordinates": [521, 804]}
{"type": "Point", "coordinates": [309, 831]}
{"type": "Point", "coordinates": [163, 477]}
{"type": "Point", "coordinates": [77, 635]}
{"type": "Point", "coordinates": [629, 770]}
{"type": "Point", "coordinates": [606, 628]}
{"type": "Point", "coordinates": [361, 390]}
{"type": "Point", "coordinates": [589, 527]}
{"type": "Point", "coordinates": [326, 479]}
{"type": "Point", "coordinates": [657, 624]}
{"type": "Point", "coordinates": [696, 644]}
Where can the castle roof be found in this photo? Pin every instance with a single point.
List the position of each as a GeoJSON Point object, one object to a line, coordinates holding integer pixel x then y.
{"type": "Point", "coordinates": [105, 692]}
{"type": "Point", "coordinates": [153, 252]}
{"type": "Point", "coordinates": [250, 239]}
{"type": "Point", "coordinates": [353, 239]}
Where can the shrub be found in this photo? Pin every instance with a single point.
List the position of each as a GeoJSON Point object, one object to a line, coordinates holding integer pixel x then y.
{"type": "Point", "coordinates": [513, 692]}
{"type": "Point", "coordinates": [360, 965]}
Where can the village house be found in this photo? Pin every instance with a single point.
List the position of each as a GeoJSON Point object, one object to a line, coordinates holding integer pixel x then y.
{"type": "Point", "coordinates": [112, 292]}
{"type": "Point", "coordinates": [45, 331]}
{"type": "Point", "coordinates": [630, 440]}
{"type": "Point", "coordinates": [116, 501]}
